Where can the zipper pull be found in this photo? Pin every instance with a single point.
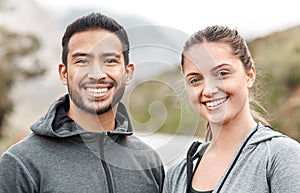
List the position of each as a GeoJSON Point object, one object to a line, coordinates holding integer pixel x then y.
{"type": "Point", "coordinates": [105, 135]}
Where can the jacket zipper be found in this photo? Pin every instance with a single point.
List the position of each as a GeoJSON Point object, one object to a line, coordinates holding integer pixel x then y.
{"type": "Point", "coordinates": [104, 165]}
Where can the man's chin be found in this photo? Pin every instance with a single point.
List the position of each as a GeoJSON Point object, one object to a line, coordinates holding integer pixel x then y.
{"type": "Point", "coordinates": [97, 110]}
{"type": "Point", "coordinates": [103, 110]}
{"type": "Point", "coordinates": [95, 106]}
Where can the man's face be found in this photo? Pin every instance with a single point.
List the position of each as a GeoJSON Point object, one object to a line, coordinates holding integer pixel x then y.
{"type": "Point", "coordinates": [96, 74]}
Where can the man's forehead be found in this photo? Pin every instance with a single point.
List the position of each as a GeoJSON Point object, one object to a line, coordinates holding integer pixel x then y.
{"type": "Point", "coordinates": [95, 41]}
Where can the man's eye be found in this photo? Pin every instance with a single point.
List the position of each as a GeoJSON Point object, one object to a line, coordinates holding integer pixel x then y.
{"type": "Point", "coordinates": [109, 61]}
{"type": "Point", "coordinates": [82, 61]}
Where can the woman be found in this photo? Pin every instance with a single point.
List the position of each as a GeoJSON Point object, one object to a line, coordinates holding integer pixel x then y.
{"type": "Point", "coordinates": [241, 154]}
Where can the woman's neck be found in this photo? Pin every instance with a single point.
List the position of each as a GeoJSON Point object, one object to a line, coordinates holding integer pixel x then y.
{"type": "Point", "coordinates": [229, 136]}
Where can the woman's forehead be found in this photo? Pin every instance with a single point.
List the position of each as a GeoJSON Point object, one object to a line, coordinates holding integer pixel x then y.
{"type": "Point", "coordinates": [209, 54]}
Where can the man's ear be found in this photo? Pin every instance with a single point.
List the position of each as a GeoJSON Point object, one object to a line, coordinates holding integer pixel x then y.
{"type": "Point", "coordinates": [129, 72]}
{"type": "Point", "coordinates": [251, 75]}
{"type": "Point", "coordinates": [63, 74]}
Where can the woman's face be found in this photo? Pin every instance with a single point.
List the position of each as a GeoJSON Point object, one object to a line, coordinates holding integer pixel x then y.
{"type": "Point", "coordinates": [217, 83]}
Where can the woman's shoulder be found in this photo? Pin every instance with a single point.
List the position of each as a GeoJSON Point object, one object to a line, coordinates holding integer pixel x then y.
{"type": "Point", "coordinates": [176, 177]}
{"type": "Point", "coordinates": [278, 139]}
{"type": "Point", "coordinates": [282, 147]}
{"type": "Point", "coordinates": [275, 139]}
{"type": "Point", "coordinates": [178, 169]}
{"type": "Point", "coordinates": [284, 144]}
{"type": "Point", "coordinates": [175, 180]}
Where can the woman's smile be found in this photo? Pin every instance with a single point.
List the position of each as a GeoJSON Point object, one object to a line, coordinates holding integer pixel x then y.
{"type": "Point", "coordinates": [215, 103]}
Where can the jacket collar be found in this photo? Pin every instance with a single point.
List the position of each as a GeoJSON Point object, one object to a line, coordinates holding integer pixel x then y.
{"type": "Point", "coordinates": [56, 123]}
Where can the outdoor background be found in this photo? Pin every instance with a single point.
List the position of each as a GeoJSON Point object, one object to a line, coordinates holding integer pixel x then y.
{"type": "Point", "coordinates": [30, 37]}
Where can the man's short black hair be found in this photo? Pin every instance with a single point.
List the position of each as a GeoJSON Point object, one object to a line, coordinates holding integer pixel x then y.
{"type": "Point", "coordinates": [95, 21]}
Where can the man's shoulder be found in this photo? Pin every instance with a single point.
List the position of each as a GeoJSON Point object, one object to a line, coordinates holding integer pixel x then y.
{"type": "Point", "coordinates": [138, 144]}
{"type": "Point", "coordinates": [27, 146]}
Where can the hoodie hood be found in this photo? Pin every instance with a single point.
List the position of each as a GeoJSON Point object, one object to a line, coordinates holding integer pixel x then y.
{"type": "Point", "coordinates": [56, 123]}
{"type": "Point", "coordinates": [263, 133]}
{"type": "Point", "coordinates": [258, 134]}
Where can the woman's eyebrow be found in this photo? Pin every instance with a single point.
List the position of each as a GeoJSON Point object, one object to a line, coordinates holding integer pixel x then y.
{"type": "Point", "coordinates": [191, 74]}
{"type": "Point", "coordinates": [219, 66]}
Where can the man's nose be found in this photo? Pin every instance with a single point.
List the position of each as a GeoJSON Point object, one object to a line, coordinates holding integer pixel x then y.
{"type": "Point", "coordinates": [97, 71]}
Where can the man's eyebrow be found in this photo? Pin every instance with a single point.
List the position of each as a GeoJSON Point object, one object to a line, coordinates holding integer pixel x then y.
{"type": "Point", "coordinates": [105, 54]}
{"type": "Point", "coordinates": [77, 54]}
{"type": "Point", "coordinates": [115, 54]}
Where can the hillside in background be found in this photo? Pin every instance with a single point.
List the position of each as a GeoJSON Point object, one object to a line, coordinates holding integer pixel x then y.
{"type": "Point", "coordinates": [277, 57]}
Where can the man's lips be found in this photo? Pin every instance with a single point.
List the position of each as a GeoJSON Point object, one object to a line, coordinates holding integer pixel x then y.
{"type": "Point", "coordinates": [98, 88]}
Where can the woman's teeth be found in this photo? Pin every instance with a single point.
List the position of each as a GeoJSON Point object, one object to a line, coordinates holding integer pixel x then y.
{"type": "Point", "coordinates": [216, 102]}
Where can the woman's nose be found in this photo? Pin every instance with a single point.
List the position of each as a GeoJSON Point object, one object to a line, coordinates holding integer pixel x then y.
{"type": "Point", "coordinates": [210, 88]}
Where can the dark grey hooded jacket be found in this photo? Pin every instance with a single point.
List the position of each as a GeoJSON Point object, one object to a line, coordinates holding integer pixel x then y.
{"type": "Point", "coordinates": [266, 162]}
{"type": "Point", "coordinates": [61, 157]}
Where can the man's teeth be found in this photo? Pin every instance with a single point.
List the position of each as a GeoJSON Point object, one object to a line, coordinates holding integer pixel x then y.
{"type": "Point", "coordinates": [216, 102]}
{"type": "Point", "coordinates": [97, 90]}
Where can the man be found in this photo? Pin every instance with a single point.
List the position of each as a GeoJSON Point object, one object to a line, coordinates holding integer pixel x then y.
{"type": "Point", "coordinates": [84, 142]}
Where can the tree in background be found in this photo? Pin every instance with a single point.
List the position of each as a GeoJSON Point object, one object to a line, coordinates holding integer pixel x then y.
{"type": "Point", "coordinates": [18, 62]}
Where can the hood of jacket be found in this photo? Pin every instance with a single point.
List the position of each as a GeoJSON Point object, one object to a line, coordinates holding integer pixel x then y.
{"type": "Point", "coordinates": [56, 123]}
{"type": "Point", "coordinates": [258, 134]}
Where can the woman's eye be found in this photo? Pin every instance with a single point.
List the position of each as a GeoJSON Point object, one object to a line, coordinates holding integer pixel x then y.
{"type": "Point", "coordinates": [222, 74]}
{"type": "Point", "coordinates": [195, 80]}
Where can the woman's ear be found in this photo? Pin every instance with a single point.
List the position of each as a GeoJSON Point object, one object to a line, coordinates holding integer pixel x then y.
{"type": "Point", "coordinates": [63, 74]}
{"type": "Point", "coordinates": [129, 72]}
{"type": "Point", "coordinates": [251, 75]}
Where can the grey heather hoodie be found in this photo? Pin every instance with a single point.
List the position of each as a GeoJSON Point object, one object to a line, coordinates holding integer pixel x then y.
{"type": "Point", "coordinates": [61, 157]}
{"type": "Point", "coordinates": [266, 162]}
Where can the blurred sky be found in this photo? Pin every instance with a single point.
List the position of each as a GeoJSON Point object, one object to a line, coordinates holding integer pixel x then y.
{"type": "Point", "coordinates": [252, 18]}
